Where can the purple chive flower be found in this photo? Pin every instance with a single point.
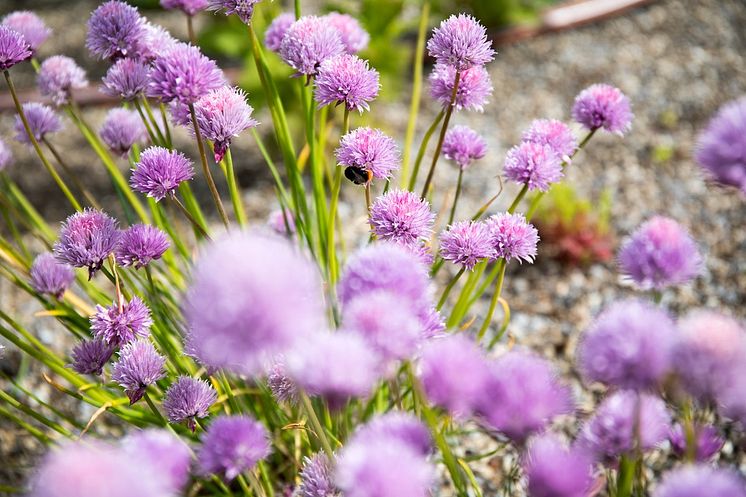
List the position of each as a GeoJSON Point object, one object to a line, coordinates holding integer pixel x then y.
{"type": "Point", "coordinates": [181, 115]}
{"type": "Point", "coordinates": [139, 366]}
{"type": "Point", "coordinates": [156, 41]}
{"type": "Point", "coordinates": [232, 445]}
{"type": "Point", "coordinates": [283, 388]}
{"type": "Point", "coordinates": [42, 120]}
{"type": "Point", "coordinates": [308, 42]}
{"type": "Point", "coordinates": [554, 133]}
{"type": "Point", "coordinates": [30, 26]}
{"type": "Point", "coordinates": [368, 151]}
{"type": "Point", "coordinates": [115, 30]}
{"type": "Point", "coordinates": [346, 80]}
{"type": "Point", "coordinates": [13, 48]}
{"type": "Point", "coordinates": [610, 432]}
{"type": "Point", "coordinates": [140, 244]}
{"type": "Point", "coordinates": [119, 325]}
{"type": "Point", "coordinates": [277, 29]}
{"type": "Point", "coordinates": [127, 78]}
{"type": "Point", "coordinates": [221, 115]}
{"type": "Point", "coordinates": [184, 74]}
{"type": "Point", "coordinates": [122, 128]}
{"type": "Point", "coordinates": [700, 480]}
{"type": "Point", "coordinates": [282, 221]}
{"type": "Point", "coordinates": [244, 9]}
{"type": "Point", "coordinates": [534, 165]}
{"type": "Point", "coordinates": [555, 470]}
{"type": "Point", "coordinates": [401, 216]}
{"type": "Point", "coordinates": [720, 150]}
{"type": "Point", "coordinates": [628, 345]}
{"type": "Point", "coordinates": [466, 243]}
{"type": "Point", "coordinates": [708, 441]}
{"type": "Point", "coordinates": [316, 478]}
{"type": "Point", "coordinates": [354, 37]}
{"type": "Point", "coordinates": [188, 399]}
{"type": "Point", "coordinates": [460, 41]}
{"type": "Point", "coordinates": [189, 7]}
{"type": "Point", "coordinates": [58, 76]}
{"type": "Point", "coordinates": [513, 237]}
{"type": "Point", "coordinates": [86, 239]}
{"type": "Point", "coordinates": [474, 87]}
{"type": "Point", "coordinates": [6, 156]}
{"type": "Point", "coordinates": [524, 394]}
{"type": "Point", "coordinates": [50, 276]}
{"type": "Point", "coordinates": [603, 106]}
{"type": "Point", "coordinates": [237, 304]}
{"type": "Point", "coordinates": [90, 356]}
{"type": "Point", "coordinates": [162, 451]}
{"type": "Point", "coordinates": [454, 373]}
{"type": "Point", "coordinates": [420, 248]}
{"type": "Point", "coordinates": [660, 253]}
{"type": "Point", "coordinates": [160, 172]}
{"type": "Point", "coordinates": [463, 145]}
{"type": "Point", "coordinates": [397, 425]}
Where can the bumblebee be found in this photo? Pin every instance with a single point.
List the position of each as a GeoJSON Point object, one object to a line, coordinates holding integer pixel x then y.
{"type": "Point", "coordinates": [358, 175]}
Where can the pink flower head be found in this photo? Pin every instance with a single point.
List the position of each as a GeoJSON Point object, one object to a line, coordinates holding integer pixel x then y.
{"type": "Point", "coordinates": [463, 145]}
{"type": "Point", "coordinates": [122, 129]}
{"type": "Point", "coordinates": [139, 245]}
{"type": "Point", "coordinates": [346, 80]}
{"type": "Point", "coordinates": [474, 87]}
{"type": "Point", "coordinates": [86, 239]}
{"type": "Point", "coordinates": [367, 151]}
{"type": "Point", "coordinates": [556, 134]}
{"type": "Point", "coordinates": [244, 9]}
{"type": "Point", "coordinates": [354, 37]}
{"type": "Point", "coordinates": [221, 115]}
{"type": "Point", "coordinates": [466, 243]}
{"type": "Point", "coordinates": [13, 48]}
{"type": "Point", "coordinates": [162, 451]}
{"type": "Point", "coordinates": [160, 172]}
{"type": "Point", "coordinates": [128, 78]}
{"type": "Point", "coordinates": [49, 276]}
{"type": "Point", "coordinates": [603, 106]}
{"type": "Point", "coordinates": [138, 367]}
{"type": "Point", "coordinates": [513, 237]}
{"type": "Point", "coordinates": [308, 42]}
{"type": "Point", "coordinates": [555, 470]}
{"type": "Point", "coordinates": [401, 216]}
{"type": "Point", "coordinates": [58, 76]}
{"type": "Point", "coordinates": [30, 26]}
{"type": "Point", "coordinates": [277, 29]}
{"type": "Point", "coordinates": [189, 7]}
{"type": "Point", "coordinates": [184, 74]}
{"type": "Point", "coordinates": [460, 41]}
{"type": "Point", "coordinates": [118, 325]}
{"type": "Point", "coordinates": [720, 150]}
{"type": "Point", "coordinates": [399, 426]}
{"type": "Point", "coordinates": [232, 445]}
{"type": "Point", "coordinates": [42, 120]}
{"type": "Point", "coordinates": [533, 164]}
{"type": "Point", "coordinates": [700, 480]}
{"type": "Point", "coordinates": [115, 30]}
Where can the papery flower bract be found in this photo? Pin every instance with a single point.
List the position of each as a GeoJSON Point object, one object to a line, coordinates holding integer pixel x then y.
{"type": "Point", "coordinates": [707, 438]}
{"type": "Point", "coordinates": [556, 134]}
{"type": "Point", "coordinates": [86, 239]}
{"type": "Point", "coordinates": [283, 387]}
{"type": "Point", "coordinates": [188, 399]}
{"type": "Point", "coordinates": [6, 156]}
{"type": "Point", "coordinates": [555, 470]}
{"type": "Point", "coordinates": [221, 115]}
{"type": "Point", "coordinates": [13, 48]}
{"type": "Point", "coordinates": [90, 356]}
{"type": "Point", "coordinates": [474, 87]}
{"type": "Point", "coordinates": [189, 7]}
{"type": "Point", "coordinates": [244, 9]}
{"type": "Point", "coordinates": [316, 477]}
{"type": "Point", "coordinates": [115, 30]}
{"type": "Point", "coordinates": [160, 172]}
{"type": "Point", "coordinates": [237, 305]}
{"type": "Point", "coordinates": [369, 150]}
{"type": "Point", "coordinates": [140, 244]}
{"type": "Point", "coordinates": [117, 326]}
{"type": "Point", "coordinates": [42, 120]}
{"type": "Point", "coordinates": [58, 76]}
{"type": "Point", "coordinates": [397, 425]}
{"type": "Point", "coordinates": [139, 366]}
{"type": "Point", "coordinates": [700, 481]}
{"type": "Point", "coordinates": [534, 165]}
{"type": "Point", "coordinates": [122, 128]}
{"type": "Point", "coordinates": [353, 36]}
{"type": "Point", "coordinates": [466, 243]}
{"type": "Point", "coordinates": [308, 42]}
{"type": "Point", "coordinates": [232, 445]}
{"type": "Point", "coordinates": [401, 216]}
{"type": "Point", "coordinates": [30, 26]}
{"type": "Point", "coordinates": [460, 41]}
{"type": "Point", "coordinates": [720, 150]}
{"type": "Point", "coordinates": [513, 237]}
{"type": "Point", "coordinates": [347, 80]}
{"type": "Point", "coordinates": [163, 451]}
{"type": "Point", "coordinates": [660, 253]}
{"type": "Point", "coordinates": [282, 221]}
{"type": "Point", "coordinates": [185, 74]}
{"type": "Point", "coordinates": [463, 145]}
{"type": "Point", "coordinates": [50, 276]}
{"type": "Point", "coordinates": [128, 78]}
{"type": "Point", "coordinates": [629, 345]}
{"type": "Point", "coordinates": [277, 29]}
{"type": "Point", "coordinates": [603, 106]}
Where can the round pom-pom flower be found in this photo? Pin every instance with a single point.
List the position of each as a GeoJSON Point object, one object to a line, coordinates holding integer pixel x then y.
{"type": "Point", "coordinates": [164, 452]}
{"type": "Point", "coordinates": [555, 470]}
{"type": "Point", "coordinates": [237, 304]}
{"type": "Point", "coordinates": [708, 441]}
{"type": "Point", "coordinates": [122, 128]}
{"type": "Point", "coordinates": [603, 106]}
{"type": "Point", "coordinates": [13, 48]}
{"type": "Point", "coordinates": [139, 366]}
{"type": "Point", "coordinates": [184, 74]}
{"type": "Point", "coordinates": [466, 243]}
{"type": "Point", "coordinates": [534, 165]}
{"type": "Point", "coordinates": [460, 41]}
{"type": "Point", "coordinates": [5, 155]}
{"type": "Point", "coordinates": [120, 324]}
{"type": "Point", "coordinates": [368, 153]}
{"type": "Point", "coordinates": [42, 120]}
{"type": "Point", "coordinates": [232, 445]}
{"type": "Point", "coordinates": [463, 146]}
{"type": "Point", "coordinates": [58, 76]}
{"type": "Point", "coordinates": [346, 80]}
{"type": "Point", "coordinates": [30, 26]}
{"type": "Point", "coordinates": [354, 37]}
{"type": "Point", "coordinates": [474, 87]}
{"type": "Point", "coordinates": [282, 221]}
{"type": "Point", "coordinates": [90, 356]}
{"type": "Point", "coordinates": [139, 245]}
{"type": "Point", "coordinates": [308, 42]}
{"type": "Point", "coordinates": [277, 29]}
{"type": "Point", "coordinates": [188, 399]}
{"type": "Point", "coordinates": [700, 480]}
{"type": "Point", "coordinates": [86, 239]}
{"type": "Point", "coordinates": [127, 78]}
{"type": "Point", "coordinates": [400, 426]}
{"type": "Point", "coordinates": [189, 7]}
{"type": "Point", "coordinates": [221, 115]}
{"type": "Point", "coordinates": [721, 150]}
{"type": "Point", "coordinates": [512, 237]}
{"type": "Point", "coordinates": [160, 172]}
{"type": "Point", "coordinates": [115, 30]}
{"type": "Point", "coordinates": [660, 253]}
{"type": "Point", "coordinates": [49, 276]}
{"type": "Point", "coordinates": [283, 387]}
{"type": "Point", "coordinates": [401, 216]}
{"type": "Point", "coordinates": [317, 478]}
{"type": "Point", "coordinates": [156, 42]}
{"type": "Point", "coordinates": [554, 133]}
{"type": "Point", "coordinates": [244, 9]}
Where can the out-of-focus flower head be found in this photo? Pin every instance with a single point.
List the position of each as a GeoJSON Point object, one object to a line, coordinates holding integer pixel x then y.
{"type": "Point", "coordinates": [283, 387]}
{"type": "Point", "coordinates": [720, 148]}
{"type": "Point", "coordinates": [90, 356]}
{"type": "Point", "coordinates": [474, 87]}
{"type": "Point", "coordinates": [42, 120]}
{"type": "Point", "coordinates": [708, 441]}
{"type": "Point", "coordinates": [160, 172]}
{"type": "Point", "coordinates": [460, 41]}
{"type": "Point", "coordinates": [86, 239]}
{"type": "Point", "coordinates": [277, 29]}
{"type": "Point", "coordinates": [156, 42]}
{"type": "Point", "coordinates": [221, 115]}
{"type": "Point", "coordinates": [50, 276]}
{"type": "Point", "coordinates": [400, 426]}
{"type": "Point", "coordinates": [58, 76]}
{"type": "Point", "coordinates": [555, 470]}
{"type": "Point", "coordinates": [603, 106]}
{"type": "Point", "coordinates": [30, 26]}
{"type": "Point", "coordinates": [354, 37]}
{"type": "Point", "coordinates": [122, 128]}
{"type": "Point", "coordinates": [700, 480]}
{"type": "Point", "coordinates": [115, 30]}
{"type": "Point", "coordinates": [232, 445]}
{"type": "Point", "coordinates": [534, 165]}
{"type": "Point", "coordinates": [6, 156]}
{"type": "Point", "coordinates": [140, 244]}
{"type": "Point", "coordinates": [308, 42]}
{"type": "Point", "coordinates": [139, 366]}
{"type": "Point", "coordinates": [244, 9]}
{"type": "Point", "coordinates": [346, 80]}
{"type": "Point", "coordinates": [189, 7]}
{"type": "Point", "coordinates": [282, 222]}
{"type": "Point", "coordinates": [128, 78]}
{"type": "Point", "coordinates": [162, 451]}
{"type": "Point", "coordinates": [463, 145]}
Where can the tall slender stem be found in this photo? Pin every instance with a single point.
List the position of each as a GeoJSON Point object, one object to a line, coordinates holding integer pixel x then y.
{"type": "Point", "coordinates": [493, 303]}
{"type": "Point", "coordinates": [206, 168]}
{"type": "Point", "coordinates": [86, 193]}
{"type": "Point", "coordinates": [458, 194]}
{"type": "Point", "coordinates": [518, 198]}
{"type": "Point", "coordinates": [316, 424]}
{"type": "Point", "coordinates": [336, 187]}
{"type": "Point", "coordinates": [449, 287]}
{"type": "Point", "coordinates": [188, 215]}
{"type": "Point", "coordinates": [423, 147]}
{"type": "Point", "coordinates": [190, 30]}
{"type": "Point", "coordinates": [234, 188]}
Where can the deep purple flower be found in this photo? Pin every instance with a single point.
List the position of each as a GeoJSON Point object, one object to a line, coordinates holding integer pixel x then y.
{"type": "Point", "coordinates": [354, 37]}
{"type": "Point", "coordinates": [401, 216]}
{"type": "Point", "coordinates": [556, 134]}
{"type": "Point", "coordinates": [534, 165]}
{"type": "Point", "coordinates": [58, 76]}
{"type": "Point", "coordinates": [699, 481]}
{"type": "Point", "coordinates": [555, 470]}
{"type": "Point", "coordinates": [160, 172]}
{"type": "Point", "coordinates": [221, 115]}
{"type": "Point", "coordinates": [282, 221]}
{"type": "Point", "coordinates": [629, 345]}
{"type": "Point", "coordinates": [348, 80]}
{"type": "Point", "coordinates": [115, 30]}
{"type": "Point", "coordinates": [316, 478]}
{"type": "Point", "coordinates": [86, 239]}
{"type": "Point", "coordinates": [466, 243]}
{"type": "Point", "coordinates": [720, 149]}
{"type": "Point", "coordinates": [184, 74]}
{"type": "Point", "coordinates": [610, 432]}
{"type": "Point", "coordinates": [188, 399]}
{"type": "Point", "coordinates": [603, 106]}
{"type": "Point", "coordinates": [90, 356]}
{"type": "Point", "coordinates": [189, 7]}
{"type": "Point", "coordinates": [232, 445]}
{"type": "Point", "coordinates": [283, 387]}
{"type": "Point", "coordinates": [156, 41]}
{"type": "Point", "coordinates": [119, 325]}
{"type": "Point", "coordinates": [237, 304]}
{"type": "Point", "coordinates": [140, 244]}
{"type": "Point", "coordinates": [139, 366]}
{"type": "Point", "coordinates": [42, 120]}
{"type": "Point", "coordinates": [30, 26]}
{"type": "Point", "coordinates": [513, 237]}
{"type": "Point", "coordinates": [13, 48]}
{"type": "Point", "coordinates": [474, 87]}
{"type": "Point", "coordinates": [308, 42]}
{"type": "Point", "coordinates": [127, 78]}
{"type": "Point", "coordinates": [162, 451]}
{"type": "Point", "coordinates": [708, 441]}
{"type": "Point", "coordinates": [122, 128]}
{"type": "Point", "coordinates": [244, 9]}
{"type": "Point", "coordinates": [6, 156]}
{"type": "Point", "coordinates": [460, 41]}
{"type": "Point", "coordinates": [369, 150]}
{"type": "Point", "coordinates": [277, 29]}
{"type": "Point", "coordinates": [463, 145]}
{"type": "Point", "coordinates": [660, 253]}
{"type": "Point", "coordinates": [50, 276]}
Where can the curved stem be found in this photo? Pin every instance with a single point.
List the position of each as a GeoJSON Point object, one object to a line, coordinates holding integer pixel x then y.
{"type": "Point", "coordinates": [458, 194]}
{"type": "Point", "coordinates": [493, 303]}
{"type": "Point", "coordinates": [206, 168]}
{"type": "Point", "coordinates": [86, 193]}
{"type": "Point", "coordinates": [190, 218]}
{"type": "Point", "coordinates": [315, 423]}
{"type": "Point", "coordinates": [423, 147]}
{"type": "Point", "coordinates": [449, 287]}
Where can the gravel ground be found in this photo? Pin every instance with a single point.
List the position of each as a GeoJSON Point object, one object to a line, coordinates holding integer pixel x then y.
{"type": "Point", "coordinates": [678, 61]}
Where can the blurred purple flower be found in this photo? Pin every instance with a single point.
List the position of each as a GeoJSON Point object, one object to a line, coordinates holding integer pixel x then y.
{"type": "Point", "coordinates": [556, 134]}
{"type": "Point", "coordinates": [160, 172]}
{"type": "Point", "coordinates": [184, 74]}
{"type": "Point", "coordinates": [156, 41]}
{"type": "Point", "coordinates": [163, 451]}
{"type": "Point", "coordinates": [30, 26]}
{"type": "Point", "coordinates": [221, 115]}
{"type": "Point", "coordinates": [139, 366]}
{"type": "Point", "coordinates": [369, 150]}
{"type": "Point", "coordinates": [277, 29]}
{"type": "Point", "coordinates": [512, 237]}
{"type": "Point", "coordinates": [122, 128]}
{"type": "Point", "coordinates": [49, 276]}
{"type": "Point", "coordinates": [13, 48]}
{"type": "Point", "coordinates": [188, 399]}
{"type": "Point", "coordinates": [58, 76]}
{"type": "Point", "coordinates": [353, 36]}
{"type": "Point", "coordinates": [401, 426]}
{"type": "Point", "coordinates": [42, 120]}
{"type": "Point", "coordinates": [128, 78]}
{"type": "Point", "coordinates": [460, 41]}
{"type": "Point", "coordinates": [555, 470]}
{"type": "Point", "coordinates": [603, 106]}
{"type": "Point", "coordinates": [474, 87]}
{"type": "Point", "coordinates": [232, 445]}
{"type": "Point", "coordinates": [140, 244]}
{"type": "Point", "coordinates": [115, 30]}
{"type": "Point", "coordinates": [463, 145]}
{"type": "Point", "coordinates": [6, 156]}
{"type": "Point", "coordinates": [244, 9]}
{"type": "Point", "coordinates": [316, 478]}
{"type": "Point", "coordinates": [283, 388]}
{"type": "Point", "coordinates": [189, 7]}
{"type": "Point", "coordinates": [708, 441]}
{"type": "Point", "coordinates": [699, 481]}
{"type": "Point", "coordinates": [282, 222]}
{"type": "Point", "coordinates": [308, 42]}
{"type": "Point", "coordinates": [401, 216]}
{"type": "Point", "coordinates": [466, 243]}
{"type": "Point", "coordinates": [534, 165]}
{"type": "Point", "coordinates": [86, 239]}
{"type": "Point", "coordinates": [90, 356]}
{"type": "Point", "coordinates": [119, 326]}
{"type": "Point", "coordinates": [720, 149]}
{"type": "Point", "coordinates": [348, 80]}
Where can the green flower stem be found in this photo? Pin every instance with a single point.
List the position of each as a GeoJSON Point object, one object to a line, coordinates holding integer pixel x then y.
{"type": "Point", "coordinates": [33, 431]}
{"type": "Point", "coordinates": [15, 403]}
{"type": "Point", "coordinates": [191, 204]}
{"type": "Point", "coordinates": [234, 189]}
{"type": "Point", "coordinates": [460, 309]}
{"type": "Point", "coordinates": [336, 187]}
{"type": "Point", "coordinates": [25, 255]}
{"type": "Point", "coordinates": [501, 264]}
{"type": "Point", "coordinates": [423, 147]}
{"type": "Point", "coordinates": [315, 423]}
{"type": "Point", "coordinates": [458, 194]}
{"type": "Point", "coordinates": [317, 178]}
{"type": "Point", "coordinates": [297, 9]}
{"type": "Point", "coordinates": [42, 227]}
{"type": "Point", "coordinates": [156, 140]}
{"type": "Point", "coordinates": [503, 327]}
{"type": "Point", "coordinates": [86, 193]}
{"type": "Point", "coordinates": [197, 226]}
{"type": "Point", "coordinates": [449, 287]}
{"type": "Point", "coordinates": [190, 30]}
{"type": "Point", "coordinates": [206, 169]}
{"type": "Point", "coordinates": [154, 121]}
{"type": "Point", "coordinates": [164, 119]}
{"type": "Point", "coordinates": [517, 200]}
